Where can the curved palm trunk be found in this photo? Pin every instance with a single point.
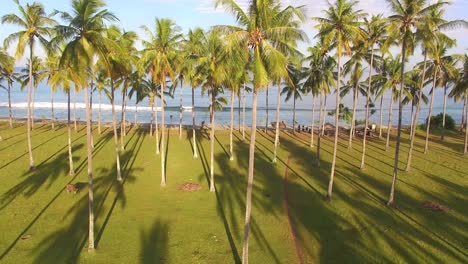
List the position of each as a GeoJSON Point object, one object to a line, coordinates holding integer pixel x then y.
{"type": "Point", "coordinates": [90, 174]}
{"type": "Point", "coordinates": [122, 122]}
{"type": "Point", "coordinates": [194, 136]}
{"type": "Point", "coordinates": [52, 109]}
{"type": "Point", "coordinates": [243, 113]}
{"type": "Point", "coordinates": [369, 88]}
{"type": "Point", "coordinates": [248, 202]}
{"type": "Point", "coordinates": [414, 125]}
{"type": "Point", "coordinates": [353, 119]}
{"type": "Point", "coordinates": [335, 144]}
{"type": "Point", "coordinates": [212, 139]}
{"type": "Point", "coordinates": [412, 117]}
{"type": "Point", "coordinates": [320, 127]}
{"type": "Point", "coordinates": [466, 127]}
{"type": "Point", "coordinates": [391, 199]}
{"type": "Point", "coordinates": [266, 108]}
{"type": "Point", "coordinates": [389, 126]}
{"type": "Point", "coordinates": [114, 125]}
{"type": "Point", "coordinates": [312, 123]}
{"type": "Point", "coordinates": [74, 108]}
{"type": "Point", "coordinates": [231, 152]}
{"type": "Point", "coordinates": [381, 116]}
{"type": "Point", "coordinates": [156, 124]}
{"type": "Point", "coordinates": [163, 136]}
{"type": "Point", "coordinates": [99, 113]}
{"type": "Point", "coordinates": [29, 123]}
{"type": "Point", "coordinates": [180, 112]}
{"type": "Point", "coordinates": [70, 155]}
{"type": "Point", "coordinates": [444, 114]}
{"type": "Point", "coordinates": [9, 105]}
{"type": "Point", "coordinates": [428, 123]}
{"type": "Point", "coordinates": [277, 131]}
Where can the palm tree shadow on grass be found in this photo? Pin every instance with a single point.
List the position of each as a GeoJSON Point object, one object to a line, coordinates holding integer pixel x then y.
{"type": "Point", "coordinates": [154, 243]}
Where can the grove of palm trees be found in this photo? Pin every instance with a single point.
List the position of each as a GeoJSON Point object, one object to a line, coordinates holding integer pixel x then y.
{"type": "Point", "coordinates": [158, 144]}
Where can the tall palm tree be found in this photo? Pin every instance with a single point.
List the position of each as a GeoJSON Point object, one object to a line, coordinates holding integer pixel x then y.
{"type": "Point", "coordinates": [294, 89]}
{"type": "Point", "coordinates": [375, 33]}
{"type": "Point", "coordinates": [8, 74]}
{"type": "Point", "coordinates": [84, 34]}
{"type": "Point", "coordinates": [52, 70]}
{"type": "Point", "coordinates": [263, 43]}
{"type": "Point", "coordinates": [341, 22]}
{"type": "Point", "coordinates": [407, 16]}
{"type": "Point", "coordinates": [158, 58]}
{"type": "Point", "coordinates": [101, 84]}
{"type": "Point", "coordinates": [460, 91]}
{"type": "Point", "coordinates": [35, 28]}
{"type": "Point", "coordinates": [39, 73]}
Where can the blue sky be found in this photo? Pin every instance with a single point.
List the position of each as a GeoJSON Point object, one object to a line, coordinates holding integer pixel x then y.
{"type": "Point", "coordinates": [201, 13]}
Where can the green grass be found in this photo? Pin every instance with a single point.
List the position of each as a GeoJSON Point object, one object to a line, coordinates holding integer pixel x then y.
{"type": "Point", "coordinates": [141, 222]}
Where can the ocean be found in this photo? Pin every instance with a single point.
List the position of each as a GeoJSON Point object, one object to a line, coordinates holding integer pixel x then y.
{"type": "Point", "coordinates": [42, 107]}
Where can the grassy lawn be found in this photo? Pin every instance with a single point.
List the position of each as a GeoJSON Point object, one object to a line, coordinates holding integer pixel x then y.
{"type": "Point", "coordinates": [140, 222]}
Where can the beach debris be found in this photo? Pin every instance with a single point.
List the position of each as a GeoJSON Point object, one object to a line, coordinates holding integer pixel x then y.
{"type": "Point", "coordinates": [433, 206]}
{"type": "Point", "coordinates": [189, 187]}
{"type": "Point", "coordinates": [71, 188]}
{"type": "Point", "coordinates": [25, 237]}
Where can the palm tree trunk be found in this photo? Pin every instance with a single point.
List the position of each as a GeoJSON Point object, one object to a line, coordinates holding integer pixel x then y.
{"type": "Point", "coordinates": [152, 100]}
{"type": "Point", "coordinates": [194, 136]}
{"type": "Point", "coordinates": [335, 145]}
{"type": "Point", "coordinates": [99, 113]}
{"type": "Point", "coordinates": [391, 199]}
{"type": "Point", "coordinates": [277, 131]}
{"type": "Point", "coordinates": [412, 117]}
{"type": "Point", "coordinates": [294, 112]}
{"type": "Point", "coordinates": [163, 136]}
{"type": "Point", "coordinates": [324, 115]}
{"type": "Point", "coordinates": [463, 119]}
{"type": "Point", "coordinates": [29, 121]}
{"type": "Point", "coordinates": [52, 108]}
{"type": "Point", "coordinates": [74, 107]}
{"type": "Point", "coordinates": [389, 126]}
{"type": "Point", "coordinates": [266, 108]}
{"type": "Point", "coordinates": [9, 105]}
{"type": "Point", "coordinates": [91, 113]}
{"type": "Point", "coordinates": [122, 122]}
{"type": "Point", "coordinates": [243, 113]}
{"type": "Point", "coordinates": [32, 108]}
{"type": "Point", "coordinates": [90, 175]}
{"type": "Point", "coordinates": [180, 112]}
{"type": "Point", "coordinates": [125, 114]}
{"type": "Point", "coordinates": [248, 203]}
{"type": "Point", "coordinates": [415, 124]}
{"type": "Point", "coordinates": [114, 125]}
{"type": "Point", "coordinates": [369, 89]}
{"type": "Point", "coordinates": [231, 152]}
{"type": "Point", "coordinates": [136, 115]}
{"type": "Point", "coordinates": [156, 125]}
{"type": "Point", "coordinates": [70, 156]}
{"type": "Point", "coordinates": [212, 139]}
{"type": "Point", "coordinates": [445, 113]}
{"type": "Point", "coordinates": [381, 116]}
{"type": "Point", "coordinates": [239, 110]}
{"type": "Point", "coordinates": [320, 127]}
{"type": "Point", "coordinates": [312, 123]}
{"type": "Point", "coordinates": [465, 152]}
{"type": "Point", "coordinates": [353, 119]}
{"type": "Point", "coordinates": [428, 123]}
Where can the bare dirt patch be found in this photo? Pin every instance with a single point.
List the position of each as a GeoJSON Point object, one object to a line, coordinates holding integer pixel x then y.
{"type": "Point", "coordinates": [189, 187]}
{"type": "Point", "coordinates": [435, 207]}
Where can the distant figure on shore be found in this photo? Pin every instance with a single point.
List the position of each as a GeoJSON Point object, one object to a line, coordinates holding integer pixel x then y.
{"type": "Point", "coordinates": [202, 125]}
{"type": "Point", "coordinates": [282, 125]}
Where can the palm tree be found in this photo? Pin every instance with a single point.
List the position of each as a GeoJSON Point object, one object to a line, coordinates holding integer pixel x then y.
{"type": "Point", "coordinates": [158, 58]}
{"type": "Point", "coordinates": [101, 83]}
{"type": "Point", "coordinates": [263, 44]}
{"type": "Point", "coordinates": [39, 73]}
{"type": "Point", "coordinates": [460, 91]}
{"type": "Point", "coordinates": [341, 22]}
{"type": "Point", "coordinates": [84, 32]}
{"type": "Point", "coordinates": [408, 14]}
{"type": "Point", "coordinates": [294, 89]}
{"type": "Point", "coordinates": [35, 29]}
{"type": "Point", "coordinates": [8, 74]}
{"type": "Point", "coordinates": [52, 70]}
{"type": "Point", "coordinates": [375, 32]}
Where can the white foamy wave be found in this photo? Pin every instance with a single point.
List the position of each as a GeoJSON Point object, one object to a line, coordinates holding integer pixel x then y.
{"type": "Point", "coordinates": [104, 107]}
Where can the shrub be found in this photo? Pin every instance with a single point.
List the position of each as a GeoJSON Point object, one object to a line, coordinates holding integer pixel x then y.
{"type": "Point", "coordinates": [436, 122]}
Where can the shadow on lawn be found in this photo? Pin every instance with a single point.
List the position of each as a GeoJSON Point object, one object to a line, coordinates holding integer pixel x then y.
{"type": "Point", "coordinates": [154, 243]}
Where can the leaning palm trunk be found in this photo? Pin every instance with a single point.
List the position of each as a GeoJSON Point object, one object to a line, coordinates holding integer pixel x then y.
{"type": "Point", "coordinates": [466, 127]}
{"type": "Point", "coordinates": [312, 123]}
{"type": "Point", "coordinates": [122, 123]}
{"type": "Point", "coordinates": [369, 88]}
{"type": "Point", "coordinates": [180, 112]}
{"type": "Point", "coordinates": [381, 116]}
{"type": "Point", "coordinates": [294, 113]}
{"type": "Point", "coordinates": [324, 115]}
{"type": "Point", "coordinates": [320, 127]}
{"type": "Point", "coordinates": [29, 124]}
{"type": "Point", "coordinates": [416, 116]}
{"type": "Point", "coordinates": [463, 119]}
{"type": "Point", "coordinates": [99, 114]}
{"type": "Point", "coordinates": [277, 131]}
{"type": "Point", "coordinates": [335, 145]}
{"type": "Point", "coordinates": [391, 199]}
{"type": "Point", "coordinates": [74, 108]}
{"type": "Point", "coordinates": [444, 113]}
{"type": "Point", "coordinates": [70, 157]}
{"type": "Point", "coordinates": [114, 125]}
{"type": "Point", "coordinates": [353, 119]}
{"type": "Point", "coordinates": [266, 108]}
{"type": "Point", "coordinates": [125, 113]}
{"type": "Point", "coordinates": [52, 109]}
{"type": "Point", "coordinates": [90, 174]}
{"type": "Point", "coordinates": [412, 117]}
{"type": "Point", "coordinates": [231, 152]}
{"type": "Point", "coordinates": [163, 136]}
{"type": "Point", "coordinates": [248, 202]}
{"type": "Point", "coordinates": [9, 105]}
{"type": "Point", "coordinates": [389, 126]}
{"type": "Point", "coordinates": [243, 113]}
{"type": "Point", "coordinates": [194, 136]}
{"type": "Point", "coordinates": [156, 125]}
{"type": "Point", "coordinates": [212, 139]}
{"type": "Point", "coordinates": [428, 123]}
